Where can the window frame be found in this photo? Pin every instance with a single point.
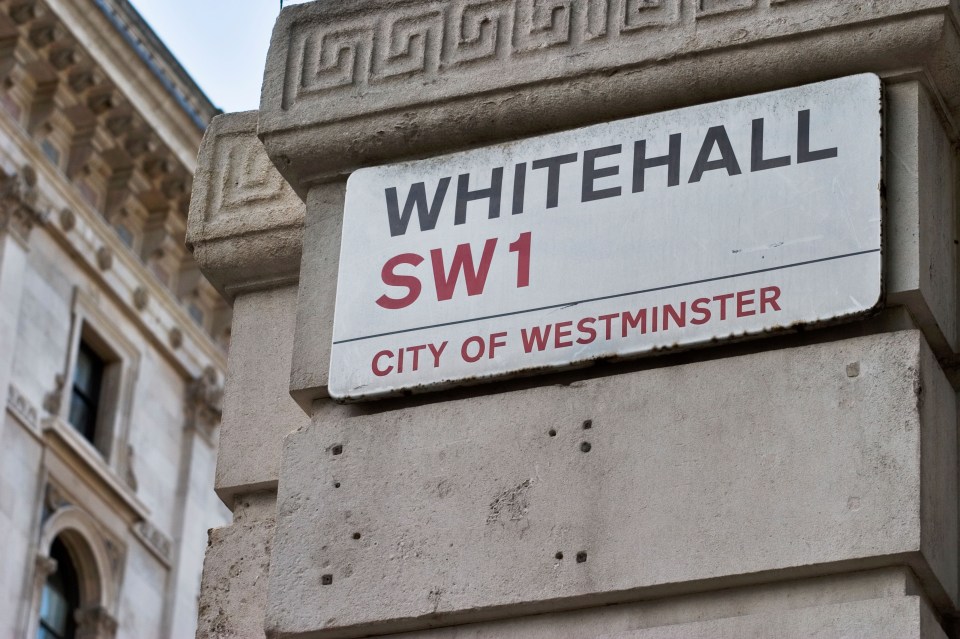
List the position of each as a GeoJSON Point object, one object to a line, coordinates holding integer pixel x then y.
{"type": "Point", "coordinates": [92, 325]}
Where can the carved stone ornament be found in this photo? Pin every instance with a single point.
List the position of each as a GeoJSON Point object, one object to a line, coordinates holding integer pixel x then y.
{"type": "Point", "coordinates": [94, 622]}
{"type": "Point", "coordinates": [53, 400]}
{"type": "Point", "coordinates": [21, 406]}
{"type": "Point", "coordinates": [204, 401]}
{"type": "Point", "coordinates": [176, 337]}
{"type": "Point", "coordinates": [104, 258]}
{"type": "Point", "coordinates": [129, 475]}
{"type": "Point", "coordinates": [54, 499]}
{"type": "Point", "coordinates": [68, 220]}
{"type": "Point", "coordinates": [156, 540]}
{"type": "Point", "coordinates": [45, 566]}
{"type": "Point", "coordinates": [18, 203]}
{"type": "Point", "coordinates": [141, 297]}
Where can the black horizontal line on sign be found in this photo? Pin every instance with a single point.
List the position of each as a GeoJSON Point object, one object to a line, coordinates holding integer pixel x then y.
{"type": "Point", "coordinates": [609, 297]}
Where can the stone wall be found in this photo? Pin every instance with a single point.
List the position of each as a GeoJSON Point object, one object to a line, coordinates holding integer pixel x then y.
{"type": "Point", "coordinates": [800, 485]}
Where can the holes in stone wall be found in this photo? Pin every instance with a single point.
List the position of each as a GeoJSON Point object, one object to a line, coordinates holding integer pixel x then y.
{"type": "Point", "coordinates": [337, 449]}
{"type": "Point", "coordinates": [585, 447]}
{"type": "Point", "coordinates": [582, 557]}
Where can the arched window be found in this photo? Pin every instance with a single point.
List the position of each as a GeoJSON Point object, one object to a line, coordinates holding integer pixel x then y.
{"type": "Point", "coordinates": [60, 598]}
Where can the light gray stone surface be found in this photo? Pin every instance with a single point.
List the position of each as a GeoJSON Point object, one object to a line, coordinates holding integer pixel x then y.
{"type": "Point", "coordinates": [770, 610]}
{"type": "Point", "coordinates": [369, 81]}
{"type": "Point", "coordinates": [258, 410]}
{"type": "Point", "coordinates": [318, 292]}
{"type": "Point", "coordinates": [245, 225]}
{"type": "Point", "coordinates": [234, 586]}
{"type": "Point", "coordinates": [716, 472]}
{"type": "Point", "coordinates": [921, 224]}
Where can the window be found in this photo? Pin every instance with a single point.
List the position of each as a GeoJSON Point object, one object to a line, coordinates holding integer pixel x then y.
{"type": "Point", "coordinates": [85, 394]}
{"type": "Point", "coordinates": [100, 372]}
{"type": "Point", "coordinates": [125, 234]}
{"type": "Point", "coordinates": [196, 313]}
{"type": "Point", "coordinates": [60, 598]}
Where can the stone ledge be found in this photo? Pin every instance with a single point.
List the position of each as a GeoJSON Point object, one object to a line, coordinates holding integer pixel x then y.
{"type": "Point", "coordinates": [246, 224]}
{"type": "Point", "coordinates": [767, 466]}
{"type": "Point", "coordinates": [370, 82]}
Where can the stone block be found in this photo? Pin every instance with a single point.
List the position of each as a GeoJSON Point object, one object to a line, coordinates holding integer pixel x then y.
{"type": "Point", "coordinates": [773, 465]}
{"type": "Point", "coordinates": [257, 408]}
{"type": "Point", "coordinates": [921, 169]}
{"type": "Point", "coordinates": [318, 291]}
{"type": "Point", "coordinates": [370, 82]}
{"type": "Point", "coordinates": [234, 586]}
{"type": "Point", "coordinates": [245, 224]}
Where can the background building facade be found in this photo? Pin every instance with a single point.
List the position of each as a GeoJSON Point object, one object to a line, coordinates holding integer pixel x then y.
{"type": "Point", "coordinates": [112, 344]}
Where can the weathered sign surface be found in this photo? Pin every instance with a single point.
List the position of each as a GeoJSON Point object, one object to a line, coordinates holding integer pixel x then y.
{"type": "Point", "coordinates": [669, 230]}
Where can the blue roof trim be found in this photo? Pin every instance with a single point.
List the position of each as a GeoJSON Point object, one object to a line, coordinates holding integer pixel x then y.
{"type": "Point", "coordinates": [148, 58]}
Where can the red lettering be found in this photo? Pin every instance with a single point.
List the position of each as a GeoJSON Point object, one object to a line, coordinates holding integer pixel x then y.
{"type": "Point", "coordinates": [390, 278]}
{"type": "Point", "coordinates": [416, 354]}
{"type": "Point", "coordinates": [561, 330]}
{"type": "Point", "coordinates": [743, 301]}
{"type": "Point", "coordinates": [680, 319]}
{"type": "Point", "coordinates": [632, 320]}
{"type": "Point", "coordinates": [723, 304]}
{"type": "Point", "coordinates": [701, 307]}
{"type": "Point", "coordinates": [586, 326]}
{"type": "Point", "coordinates": [380, 372]}
{"type": "Point", "coordinates": [607, 319]}
{"type": "Point", "coordinates": [769, 295]}
{"type": "Point", "coordinates": [536, 338]}
{"type": "Point", "coordinates": [436, 352]}
{"type": "Point", "coordinates": [462, 261]}
{"type": "Point", "coordinates": [495, 344]}
{"type": "Point", "coordinates": [522, 248]}
{"type": "Point", "coordinates": [465, 351]}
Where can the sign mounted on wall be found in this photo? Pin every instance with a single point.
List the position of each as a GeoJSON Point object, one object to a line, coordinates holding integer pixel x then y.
{"type": "Point", "coordinates": [718, 221]}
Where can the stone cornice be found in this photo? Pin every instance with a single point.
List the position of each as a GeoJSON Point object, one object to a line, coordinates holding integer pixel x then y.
{"type": "Point", "coordinates": [246, 224]}
{"type": "Point", "coordinates": [85, 234]}
{"type": "Point", "coordinates": [145, 91]}
{"type": "Point", "coordinates": [369, 82]}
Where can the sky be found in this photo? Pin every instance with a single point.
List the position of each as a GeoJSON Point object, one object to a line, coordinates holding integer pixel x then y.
{"type": "Point", "coordinates": [221, 43]}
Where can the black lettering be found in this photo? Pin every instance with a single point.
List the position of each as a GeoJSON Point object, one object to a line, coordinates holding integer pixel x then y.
{"type": "Point", "coordinates": [416, 197]}
{"type": "Point", "coordinates": [553, 175]}
{"type": "Point", "coordinates": [671, 160]}
{"type": "Point", "coordinates": [716, 137]}
{"type": "Point", "coordinates": [465, 195]}
{"type": "Point", "coordinates": [757, 161]}
{"type": "Point", "coordinates": [804, 154]}
{"type": "Point", "coordinates": [519, 185]}
{"type": "Point", "coordinates": [591, 174]}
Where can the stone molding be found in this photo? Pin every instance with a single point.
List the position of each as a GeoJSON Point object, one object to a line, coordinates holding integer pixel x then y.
{"type": "Point", "coordinates": [204, 403]}
{"type": "Point", "coordinates": [369, 82]}
{"type": "Point", "coordinates": [19, 212]}
{"type": "Point", "coordinates": [94, 622]}
{"type": "Point", "coordinates": [23, 408]}
{"type": "Point", "coordinates": [245, 224]}
{"type": "Point", "coordinates": [155, 541]}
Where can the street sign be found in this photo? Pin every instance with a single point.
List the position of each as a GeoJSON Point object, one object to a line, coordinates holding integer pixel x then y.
{"type": "Point", "coordinates": [671, 230]}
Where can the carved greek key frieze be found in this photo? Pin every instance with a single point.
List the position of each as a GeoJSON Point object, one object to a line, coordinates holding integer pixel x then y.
{"type": "Point", "coordinates": [432, 39]}
{"type": "Point", "coordinates": [248, 178]}
{"type": "Point", "coordinates": [710, 7]}
{"type": "Point", "coordinates": [21, 407]}
{"type": "Point", "coordinates": [411, 45]}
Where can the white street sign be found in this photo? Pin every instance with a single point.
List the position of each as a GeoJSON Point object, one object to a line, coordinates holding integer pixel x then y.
{"type": "Point", "coordinates": [669, 230]}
